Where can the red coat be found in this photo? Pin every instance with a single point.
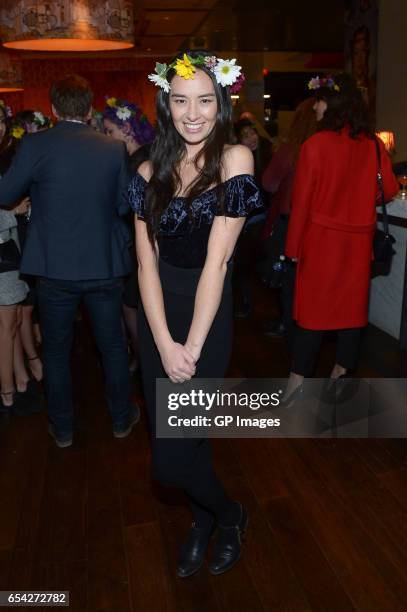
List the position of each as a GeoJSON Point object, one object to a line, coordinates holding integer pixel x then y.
{"type": "Point", "coordinates": [333, 218]}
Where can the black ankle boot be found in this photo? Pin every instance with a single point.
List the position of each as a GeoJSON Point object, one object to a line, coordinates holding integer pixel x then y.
{"type": "Point", "coordinates": [228, 546]}
{"type": "Point", "coordinates": [193, 550]}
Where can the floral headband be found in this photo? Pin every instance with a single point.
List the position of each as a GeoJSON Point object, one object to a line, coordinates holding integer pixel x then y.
{"type": "Point", "coordinates": [7, 110]}
{"type": "Point", "coordinates": [36, 122]}
{"type": "Point", "coordinates": [124, 111]}
{"type": "Point", "coordinates": [226, 72]}
{"type": "Point", "coordinates": [317, 83]}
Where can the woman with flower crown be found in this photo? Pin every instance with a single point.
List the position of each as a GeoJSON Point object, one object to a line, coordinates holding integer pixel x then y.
{"type": "Point", "coordinates": [125, 121]}
{"type": "Point", "coordinates": [190, 203]}
{"type": "Point", "coordinates": [332, 223]}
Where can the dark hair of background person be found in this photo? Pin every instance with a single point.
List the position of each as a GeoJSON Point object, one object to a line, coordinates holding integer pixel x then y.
{"type": "Point", "coordinates": [24, 115]}
{"type": "Point", "coordinates": [7, 145]}
{"type": "Point", "coordinates": [262, 154]}
{"type": "Point", "coordinates": [240, 125]}
{"type": "Point", "coordinates": [169, 149]}
{"type": "Point", "coordinates": [72, 97]}
{"type": "Point", "coordinates": [28, 116]}
{"type": "Point", "coordinates": [304, 125]}
{"type": "Point", "coordinates": [345, 107]}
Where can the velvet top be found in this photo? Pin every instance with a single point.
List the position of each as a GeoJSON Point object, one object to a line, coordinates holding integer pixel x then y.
{"type": "Point", "coordinates": [183, 238]}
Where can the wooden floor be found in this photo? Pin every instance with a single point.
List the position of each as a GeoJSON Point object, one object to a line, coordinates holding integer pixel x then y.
{"type": "Point", "coordinates": [327, 530]}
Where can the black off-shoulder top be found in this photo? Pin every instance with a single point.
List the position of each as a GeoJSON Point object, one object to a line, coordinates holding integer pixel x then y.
{"type": "Point", "coordinates": [182, 240]}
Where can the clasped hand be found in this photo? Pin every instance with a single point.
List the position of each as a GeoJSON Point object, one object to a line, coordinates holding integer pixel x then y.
{"type": "Point", "coordinates": [178, 363]}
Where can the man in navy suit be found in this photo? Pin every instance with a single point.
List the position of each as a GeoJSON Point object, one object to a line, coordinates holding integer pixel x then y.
{"type": "Point", "coordinates": [78, 247]}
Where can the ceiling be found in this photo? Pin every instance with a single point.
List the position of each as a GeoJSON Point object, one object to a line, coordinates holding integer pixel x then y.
{"type": "Point", "coordinates": [166, 26]}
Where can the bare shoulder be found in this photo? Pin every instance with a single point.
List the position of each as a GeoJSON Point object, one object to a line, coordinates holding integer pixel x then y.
{"type": "Point", "coordinates": [146, 170]}
{"type": "Point", "coordinates": [237, 159]}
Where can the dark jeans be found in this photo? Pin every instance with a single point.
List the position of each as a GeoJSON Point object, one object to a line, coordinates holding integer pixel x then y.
{"type": "Point", "coordinates": [307, 343]}
{"type": "Point", "coordinates": [58, 303]}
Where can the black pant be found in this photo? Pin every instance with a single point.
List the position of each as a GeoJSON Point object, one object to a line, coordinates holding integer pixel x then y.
{"type": "Point", "coordinates": [187, 463]}
{"type": "Point", "coordinates": [307, 343]}
{"type": "Point", "coordinates": [58, 303]}
{"type": "Point", "coordinates": [287, 301]}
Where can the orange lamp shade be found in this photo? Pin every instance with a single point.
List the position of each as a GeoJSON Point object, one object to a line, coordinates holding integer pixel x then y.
{"type": "Point", "coordinates": [388, 140]}
{"type": "Point", "coordinates": [67, 25]}
{"type": "Point", "coordinates": [10, 72]}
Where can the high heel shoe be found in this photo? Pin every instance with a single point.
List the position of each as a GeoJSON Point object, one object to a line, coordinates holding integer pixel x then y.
{"type": "Point", "coordinates": [295, 396]}
{"type": "Point", "coordinates": [330, 389]}
{"type": "Point", "coordinates": [228, 547]}
{"type": "Point", "coordinates": [192, 552]}
{"type": "Point", "coordinates": [5, 409]}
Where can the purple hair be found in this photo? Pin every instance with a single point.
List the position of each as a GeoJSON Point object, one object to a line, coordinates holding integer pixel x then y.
{"type": "Point", "coordinates": [141, 129]}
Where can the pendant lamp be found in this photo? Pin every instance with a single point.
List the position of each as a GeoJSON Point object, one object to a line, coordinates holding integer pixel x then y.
{"type": "Point", "coordinates": [67, 25]}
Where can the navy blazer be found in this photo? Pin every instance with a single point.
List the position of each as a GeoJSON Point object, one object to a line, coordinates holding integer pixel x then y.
{"type": "Point", "coordinates": [77, 180]}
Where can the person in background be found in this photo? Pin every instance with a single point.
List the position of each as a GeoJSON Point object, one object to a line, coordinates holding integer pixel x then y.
{"type": "Point", "coordinates": [247, 250]}
{"type": "Point", "coordinates": [277, 180]}
{"type": "Point", "coordinates": [125, 121]}
{"type": "Point", "coordinates": [17, 394]}
{"type": "Point", "coordinates": [78, 247]}
{"type": "Point", "coordinates": [331, 228]}
{"type": "Point", "coordinates": [248, 135]}
{"type": "Point", "coordinates": [29, 122]}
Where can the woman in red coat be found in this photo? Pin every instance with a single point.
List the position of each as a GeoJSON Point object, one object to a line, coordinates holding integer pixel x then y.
{"type": "Point", "coordinates": [332, 223]}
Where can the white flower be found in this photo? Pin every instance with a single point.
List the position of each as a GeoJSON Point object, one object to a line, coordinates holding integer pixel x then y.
{"type": "Point", "coordinates": [123, 113]}
{"type": "Point", "coordinates": [226, 71]}
{"type": "Point", "coordinates": [39, 117]}
{"type": "Point", "coordinates": [160, 81]}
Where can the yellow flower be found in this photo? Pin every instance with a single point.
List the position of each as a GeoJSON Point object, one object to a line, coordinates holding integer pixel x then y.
{"type": "Point", "coordinates": [184, 68]}
{"type": "Point", "coordinates": [17, 132]}
{"type": "Point", "coordinates": [112, 102]}
{"type": "Point", "coordinates": [337, 88]}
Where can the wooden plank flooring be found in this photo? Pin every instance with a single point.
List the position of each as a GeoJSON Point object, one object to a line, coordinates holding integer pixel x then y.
{"type": "Point", "coordinates": [327, 527]}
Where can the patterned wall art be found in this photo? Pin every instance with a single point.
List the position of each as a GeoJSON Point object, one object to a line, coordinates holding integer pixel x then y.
{"type": "Point", "coordinates": [66, 25]}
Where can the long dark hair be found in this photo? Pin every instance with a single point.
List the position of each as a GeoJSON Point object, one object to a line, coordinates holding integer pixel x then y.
{"type": "Point", "coordinates": [345, 107]}
{"type": "Point", "coordinates": [169, 149]}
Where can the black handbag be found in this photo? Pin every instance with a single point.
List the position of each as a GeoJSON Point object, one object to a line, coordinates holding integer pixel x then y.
{"type": "Point", "coordinates": [10, 257]}
{"type": "Point", "coordinates": [383, 241]}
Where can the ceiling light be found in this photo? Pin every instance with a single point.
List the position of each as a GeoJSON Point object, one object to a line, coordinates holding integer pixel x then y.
{"type": "Point", "coordinates": [68, 25]}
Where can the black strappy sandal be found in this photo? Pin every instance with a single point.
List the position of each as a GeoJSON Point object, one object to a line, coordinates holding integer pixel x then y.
{"type": "Point", "coordinates": [3, 406]}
